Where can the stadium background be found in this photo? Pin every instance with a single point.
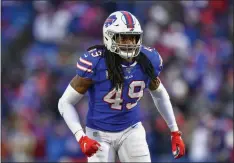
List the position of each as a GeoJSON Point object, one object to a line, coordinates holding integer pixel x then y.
{"type": "Point", "coordinates": [41, 41]}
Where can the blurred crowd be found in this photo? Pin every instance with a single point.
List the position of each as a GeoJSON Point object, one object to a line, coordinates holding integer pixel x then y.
{"type": "Point", "coordinates": [195, 41]}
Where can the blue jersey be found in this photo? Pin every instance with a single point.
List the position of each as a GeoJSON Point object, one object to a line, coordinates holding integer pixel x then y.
{"type": "Point", "coordinates": [111, 110]}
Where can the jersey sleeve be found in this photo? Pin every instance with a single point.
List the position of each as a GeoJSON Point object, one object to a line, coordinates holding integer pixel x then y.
{"type": "Point", "coordinates": [157, 63]}
{"type": "Point", "coordinates": [155, 59]}
{"type": "Point", "coordinates": [85, 66]}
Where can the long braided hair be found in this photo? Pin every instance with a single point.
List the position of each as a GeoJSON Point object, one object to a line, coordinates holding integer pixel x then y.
{"type": "Point", "coordinates": [115, 70]}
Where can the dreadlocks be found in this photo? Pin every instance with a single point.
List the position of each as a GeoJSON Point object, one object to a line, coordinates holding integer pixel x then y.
{"type": "Point", "coordinates": [115, 70]}
{"type": "Point", "coordinates": [146, 65]}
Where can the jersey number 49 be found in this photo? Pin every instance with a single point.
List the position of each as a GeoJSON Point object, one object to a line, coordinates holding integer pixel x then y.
{"type": "Point", "coordinates": [114, 97]}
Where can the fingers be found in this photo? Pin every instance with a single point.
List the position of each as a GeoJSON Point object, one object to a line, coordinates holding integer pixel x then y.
{"type": "Point", "coordinates": [176, 152]}
{"type": "Point", "coordinates": [91, 153]}
{"type": "Point", "coordinates": [180, 151]}
{"type": "Point", "coordinates": [94, 148]}
{"type": "Point", "coordinates": [178, 156]}
{"type": "Point", "coordinates": [99, 146]}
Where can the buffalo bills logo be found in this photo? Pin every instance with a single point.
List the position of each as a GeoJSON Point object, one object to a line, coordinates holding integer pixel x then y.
{"type": "Point", "coordinates": [110, 20]}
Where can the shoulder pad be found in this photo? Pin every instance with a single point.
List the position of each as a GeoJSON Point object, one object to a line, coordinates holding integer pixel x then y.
{"type": "Point", "coordinates": [154, 57]}
{"type": "Point", "coordinates": [86, 64]}
{"type": "Point", "coordinates": [96, 47]}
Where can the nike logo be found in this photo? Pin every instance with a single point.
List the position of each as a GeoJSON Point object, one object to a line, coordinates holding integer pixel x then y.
{"type": "Point", "coordinates": [86, 55]}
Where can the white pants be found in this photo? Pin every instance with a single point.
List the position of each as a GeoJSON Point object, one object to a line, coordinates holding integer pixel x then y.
{"type": "Point", "coordinates": [128, 145]}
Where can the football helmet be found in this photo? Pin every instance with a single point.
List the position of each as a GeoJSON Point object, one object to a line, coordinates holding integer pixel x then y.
{"type": "Point", "coordinates": [122, 25]}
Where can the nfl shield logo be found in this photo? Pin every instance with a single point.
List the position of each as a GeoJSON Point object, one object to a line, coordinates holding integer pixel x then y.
{"type": "Point", "coordinates": [128, 69]}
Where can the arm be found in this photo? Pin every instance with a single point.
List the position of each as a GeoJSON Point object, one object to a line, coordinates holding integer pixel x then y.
{"type": "Point", "coordinates": [162, 101]}
{"type": "Point", "coordinates": [72, 95]}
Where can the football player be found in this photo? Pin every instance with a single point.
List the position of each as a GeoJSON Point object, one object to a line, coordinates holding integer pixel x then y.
{"type": "Point", "coordinates": [115, 76]}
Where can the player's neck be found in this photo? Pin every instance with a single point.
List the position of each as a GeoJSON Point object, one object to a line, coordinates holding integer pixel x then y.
{"type": "Point", "coordinates": [130, 60]}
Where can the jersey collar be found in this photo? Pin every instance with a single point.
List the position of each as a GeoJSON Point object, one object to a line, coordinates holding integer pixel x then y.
{"type": "Point", "coordinates": [129, 64]}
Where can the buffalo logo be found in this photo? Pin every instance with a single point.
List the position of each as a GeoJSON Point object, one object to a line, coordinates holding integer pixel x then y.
{"type": "Point", "coordinates": [110, 20]}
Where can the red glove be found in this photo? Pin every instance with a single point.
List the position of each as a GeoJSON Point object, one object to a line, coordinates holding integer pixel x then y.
{"type": "Point", "coordinates": [178, 147]}
{"type": "Point", "coordinates": [88, 146]}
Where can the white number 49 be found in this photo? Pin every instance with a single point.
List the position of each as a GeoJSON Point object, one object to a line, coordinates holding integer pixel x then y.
{"type": "Point", "coordinates": [114, 98]}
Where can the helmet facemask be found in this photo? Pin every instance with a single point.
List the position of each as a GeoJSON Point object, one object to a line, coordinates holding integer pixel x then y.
{"type": "Point", "coordinates": [126, 44]}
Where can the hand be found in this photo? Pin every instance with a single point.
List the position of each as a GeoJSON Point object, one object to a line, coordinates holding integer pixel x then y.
{"type": "Point", "coordinates": [88, 146]}
{"type": "Point", "coordinates": [178, 147]}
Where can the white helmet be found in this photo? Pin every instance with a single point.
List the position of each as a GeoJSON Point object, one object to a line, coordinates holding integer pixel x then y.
{"type": "Point", "coordinates": [118, 24]}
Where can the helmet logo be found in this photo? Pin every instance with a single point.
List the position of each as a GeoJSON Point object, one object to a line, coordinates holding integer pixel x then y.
{"type": "Point", "coordinates": [110, 20]}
